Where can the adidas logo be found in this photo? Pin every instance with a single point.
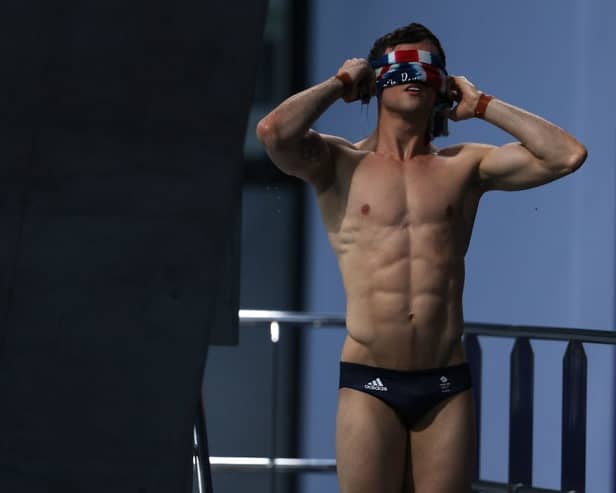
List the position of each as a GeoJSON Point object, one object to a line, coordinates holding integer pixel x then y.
{"type": "Point", "coordinates": [376, 384]}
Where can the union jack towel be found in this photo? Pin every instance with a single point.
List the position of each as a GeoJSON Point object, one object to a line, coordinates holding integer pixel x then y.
{"type": "Point", "coordinates": [406, 66]}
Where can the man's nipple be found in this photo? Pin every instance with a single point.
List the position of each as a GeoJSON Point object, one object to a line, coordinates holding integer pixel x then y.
{"type": "Point", "coordinates": [365, 209]}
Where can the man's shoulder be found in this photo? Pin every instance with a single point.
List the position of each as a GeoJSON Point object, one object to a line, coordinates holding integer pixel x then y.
{"type": "Point", "coordinates": [337, 142]}
{"type": "Point", "coordinates": [467, 151]}
{"type": "Point", "coordinates": [343, 150]}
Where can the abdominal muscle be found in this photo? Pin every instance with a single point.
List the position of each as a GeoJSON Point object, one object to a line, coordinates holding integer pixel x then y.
{"type": "Point", "coordinates": [404, 295]}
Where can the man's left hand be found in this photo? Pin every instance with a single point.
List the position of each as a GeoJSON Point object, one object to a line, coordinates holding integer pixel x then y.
{"type": "Point", "coordinates": [463, 91]}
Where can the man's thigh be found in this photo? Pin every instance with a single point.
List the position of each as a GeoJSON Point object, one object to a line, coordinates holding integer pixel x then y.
{"type": "Point", "coordinates": [442, 447]}
{"type": "Point", "coordinates": [371, 445]}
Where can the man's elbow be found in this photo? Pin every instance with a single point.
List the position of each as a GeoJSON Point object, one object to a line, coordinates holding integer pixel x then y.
{"type": "Point", "coordinates": [267, 132]}
{"type": "Point", "coordinates": [575, 158]}
{"type": "Point", "coordinates": [272, 133]}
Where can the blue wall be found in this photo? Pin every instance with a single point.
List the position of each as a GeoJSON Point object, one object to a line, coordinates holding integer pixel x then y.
{"type": "Point", "coordinates": [538, 257]}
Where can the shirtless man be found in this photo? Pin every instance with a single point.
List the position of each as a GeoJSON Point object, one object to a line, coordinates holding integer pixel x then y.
{"type": "Point", "coordinates": [399, 214]}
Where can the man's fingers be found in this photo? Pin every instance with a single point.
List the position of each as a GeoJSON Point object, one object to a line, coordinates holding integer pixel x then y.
{"type": "Point", "coordinates": [366, 88]}
{"type": "Point", "coordinates": [452, 114]}
{"type": "Point", "coordinates": [453, 91]}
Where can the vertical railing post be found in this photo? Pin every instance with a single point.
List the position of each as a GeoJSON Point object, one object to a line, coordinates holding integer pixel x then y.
{"type": "Point", "coordinates": [573, 465]}
{"type": "Point", "coordinates": [474, 358]}
{"type": "Point", "coordinates": [521, 413]}
{"type": "Point", "coordinates": [201, 452]}
{"type": "Point", "coordinates": [274, 337]}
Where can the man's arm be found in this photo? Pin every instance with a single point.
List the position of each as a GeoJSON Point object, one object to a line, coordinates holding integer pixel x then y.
{"type": "Point", "coordinates": [544, 152]}
{"type": "Point", "coordinates": [292, 145]}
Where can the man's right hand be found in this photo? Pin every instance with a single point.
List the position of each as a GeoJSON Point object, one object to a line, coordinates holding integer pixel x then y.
{"type": "Point", "coordinates": [360, 81]}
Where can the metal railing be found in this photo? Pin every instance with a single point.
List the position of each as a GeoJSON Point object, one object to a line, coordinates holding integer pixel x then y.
{"type": "Point", "coordinates": [573, 460]}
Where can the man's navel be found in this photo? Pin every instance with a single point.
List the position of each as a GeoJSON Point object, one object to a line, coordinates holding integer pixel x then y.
{"type": "Point", "coordinates": [365, 209]}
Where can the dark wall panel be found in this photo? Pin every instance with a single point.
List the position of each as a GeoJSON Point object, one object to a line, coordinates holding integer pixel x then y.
{"type": "Point", "coordinates": [250, 413]}
{"type": "Point", "coordinates": [121, 192]}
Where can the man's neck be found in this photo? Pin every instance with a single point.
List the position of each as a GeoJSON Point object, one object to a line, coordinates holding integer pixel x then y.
{"type": "Point", "coordinates": [401, 138]}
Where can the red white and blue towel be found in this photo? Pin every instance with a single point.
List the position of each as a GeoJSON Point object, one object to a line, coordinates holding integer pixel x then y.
{"type": "Point", "coordinates": [406, 66]}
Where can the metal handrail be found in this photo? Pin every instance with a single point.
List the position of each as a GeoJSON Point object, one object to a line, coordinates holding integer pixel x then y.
{"type": "Point", "coordinates": [267, 463]}
{"type": "Point", "coordinates": [248, 464]}
{"type": "Point", "coordinates": [258, 317]}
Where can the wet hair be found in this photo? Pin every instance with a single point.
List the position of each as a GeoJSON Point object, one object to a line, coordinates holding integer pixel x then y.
{"type": "Point", "coordinates": [413, 33]}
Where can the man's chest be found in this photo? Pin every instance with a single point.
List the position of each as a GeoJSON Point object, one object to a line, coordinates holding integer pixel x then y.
{"type": "Point", "coordinates": [404, 193]}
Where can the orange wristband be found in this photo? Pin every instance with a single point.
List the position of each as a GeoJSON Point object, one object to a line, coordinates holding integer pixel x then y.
{"type": "Point", "coordinates": [482, 104]}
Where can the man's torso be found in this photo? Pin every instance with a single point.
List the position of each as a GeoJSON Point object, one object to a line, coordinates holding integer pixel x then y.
{"type": "Point", "coordinates": [400, 231]}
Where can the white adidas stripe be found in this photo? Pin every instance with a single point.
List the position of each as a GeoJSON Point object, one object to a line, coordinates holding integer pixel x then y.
{"type": "Point", "coordinates": [376, 384]}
